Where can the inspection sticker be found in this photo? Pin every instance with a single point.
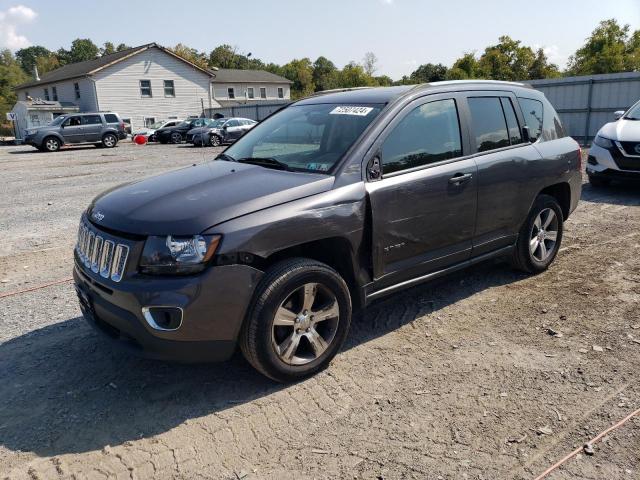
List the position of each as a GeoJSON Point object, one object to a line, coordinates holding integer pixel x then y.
{"type": "Point", "coordinates": [343, 110]}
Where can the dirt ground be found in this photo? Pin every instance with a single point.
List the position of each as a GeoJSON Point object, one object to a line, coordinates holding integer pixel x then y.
{"type": "Point", "coordinates": [458, 379]}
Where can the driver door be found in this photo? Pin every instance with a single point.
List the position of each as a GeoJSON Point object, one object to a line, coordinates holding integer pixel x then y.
{"type": "Point", "coordinates": [424, 201]}
{"type": "Point", "coordinates": [72, 129]}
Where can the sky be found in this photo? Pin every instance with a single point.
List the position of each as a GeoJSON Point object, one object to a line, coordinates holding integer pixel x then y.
{"type": "Point", "coordinates": [402, 33]}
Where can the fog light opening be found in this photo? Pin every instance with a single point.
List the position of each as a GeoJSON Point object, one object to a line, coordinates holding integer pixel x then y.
{"type": "Point", "coordinates": [166, 319]}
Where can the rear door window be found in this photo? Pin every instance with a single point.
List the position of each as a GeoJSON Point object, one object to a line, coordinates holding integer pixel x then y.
{"type": "Point", "coordinates": [489, 124]}
{"type": "Point", "coordinates": [111, 118]}
{"type": "Point", "coordinates": [91, 120]}
{"type": "Point", "coordinates": [533, 118]}
{"type": "Point", "coordinates": [429, 133]}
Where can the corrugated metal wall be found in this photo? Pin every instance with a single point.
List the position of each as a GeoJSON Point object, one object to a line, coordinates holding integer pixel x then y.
{"type": "Point", "coordinates": [254, 111]}
{"type": "Point", "coordinates": [586, 103]}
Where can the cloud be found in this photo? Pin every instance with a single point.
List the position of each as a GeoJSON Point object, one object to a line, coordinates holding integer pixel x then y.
{"type": "Point", "coordinates": [10, 20]}
{"type": "Point", "coordinates": [387, 2]}
{"type": "Point", "coordinates": [554, 54]}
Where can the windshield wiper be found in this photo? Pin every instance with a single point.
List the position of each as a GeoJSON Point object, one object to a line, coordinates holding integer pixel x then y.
{"type": "Point", "coordinates": [631, 118]}
{"type": "Point", "coordinates": [224, 156]}
{"type": "Point", "coordinates": [266, 162]}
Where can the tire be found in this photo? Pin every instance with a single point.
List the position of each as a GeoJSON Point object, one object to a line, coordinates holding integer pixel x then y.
{"type": "Point", "coordinates": [51, 144]}
{"type": "Point", "coordinates": [294, 286]}
{"type": "Point", "coordinates": [535, 247]}
{"type": "Point", "coordinates": [176, 137]}
{"type": "Point", "coordinates": [109, 140]}
{"type": "Point", "coordinates": [598, 182]}
{"type": "Point", "coordinates": [215, 140]}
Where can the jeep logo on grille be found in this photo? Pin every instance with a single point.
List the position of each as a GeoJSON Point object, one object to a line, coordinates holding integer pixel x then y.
{"type": "Point", "coordinates": [637, 148]}
{"type": "Point", "coordinates": [97, 216]}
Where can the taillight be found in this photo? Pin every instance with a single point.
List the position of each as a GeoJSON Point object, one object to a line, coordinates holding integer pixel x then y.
{"type": "Point", "coordinates": [122, 125]}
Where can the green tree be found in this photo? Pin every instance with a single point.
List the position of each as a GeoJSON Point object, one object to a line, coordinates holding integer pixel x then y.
{"type": "Point", "coordinates": [354, 75]}
{"type": "Point", "coordinates": [300, 72]}
{"type": "Point", "coordinates": [325, 74]}
{"type": "Point", "coordinates": [27, 57]}
{"type": "Point", "coordinates": [122, 46]}
{"type": "Point", "coordinates": [11, 75]}
{"type": "Point", "coordinates": [465, 67]}
{"type": "Point", "coordinates": [48, 63]}
{"type": "Point", "coordinates": [383, 80]}
{"type": "Point", "coordinates": [81, 49]}
{"type": "Point", "coordinates": [370, 63]}
{"type": "Point", "coordinates": [541, 68]}
{"type": "Point", "coordinates": [605, 51]}
{"type": "Point", "coordinates": [107, 49]}
{"type": "Point", "coordinates": [428, 72]}
{"type": "Point", "coordinates": [191, 55]}
{"type": "Point", "coordinates": [507, 60]}
{"type": "Point", "coordinates": [632, 60]}
{"type": "Point", "coordinates": [224, 56]}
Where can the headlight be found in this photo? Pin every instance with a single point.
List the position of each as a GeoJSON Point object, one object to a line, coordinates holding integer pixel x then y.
{"type": "Point", "coordinates": [30, 132]}
{"type": "Point", "coordinates": [178, 255]}
{"type": "Point", "coordinates": [603, 142]}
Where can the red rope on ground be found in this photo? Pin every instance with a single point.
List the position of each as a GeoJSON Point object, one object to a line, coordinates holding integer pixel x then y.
{"type": "Point", "coordinates": [592, 441]}
{"type": "Point", "coordinates": [18, 292]}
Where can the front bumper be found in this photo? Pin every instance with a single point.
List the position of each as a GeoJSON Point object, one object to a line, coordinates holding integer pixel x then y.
{"type": "Point", "coordinates": [214, 304]}
{"type": "Point", "coordinates": [611, 162]}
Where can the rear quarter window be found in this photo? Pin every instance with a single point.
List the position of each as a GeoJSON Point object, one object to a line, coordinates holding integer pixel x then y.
{"type": "Point", "coordinates": [533, 116]}
{"type": "Point", "coordinates": [111, 118]}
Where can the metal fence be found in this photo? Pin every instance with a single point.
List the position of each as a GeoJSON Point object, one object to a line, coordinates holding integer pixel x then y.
{"type": "Point", "coordinates": [586, 103]}
{"type": "Point", "coordinates": [255, 111]}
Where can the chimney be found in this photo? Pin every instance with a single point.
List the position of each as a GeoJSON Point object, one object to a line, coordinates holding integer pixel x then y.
{"type": "Point", "coordinates": [36, 77]}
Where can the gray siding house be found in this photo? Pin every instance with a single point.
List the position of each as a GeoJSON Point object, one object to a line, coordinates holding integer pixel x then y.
{"type": "Point", "coordinates": [144, 84]}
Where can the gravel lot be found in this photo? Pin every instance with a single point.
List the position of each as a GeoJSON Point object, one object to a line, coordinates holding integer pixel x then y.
{"type": "Point", "coordinates": [455, 379]}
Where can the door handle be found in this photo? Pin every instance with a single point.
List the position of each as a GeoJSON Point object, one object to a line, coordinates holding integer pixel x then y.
{"type": "Point", "coordinates": [460, 178]}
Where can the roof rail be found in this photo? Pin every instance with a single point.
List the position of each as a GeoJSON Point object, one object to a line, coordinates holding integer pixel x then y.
{"type": "Point", "coordinates": [471, 80]}
{"type": "Point", "coordinates": [338, 90]}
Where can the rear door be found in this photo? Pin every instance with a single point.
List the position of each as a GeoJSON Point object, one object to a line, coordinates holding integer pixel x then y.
{"type": "Point", "coordinates": [503, 158]}
{"type": "Point", "coordinates": [424, 205]}
{"type": "Point", "coordinates": [91, 128]}
{"type": "Point", "coordinates": [233, 130]}
{"type": "Point", "coordinates": [72, 129]}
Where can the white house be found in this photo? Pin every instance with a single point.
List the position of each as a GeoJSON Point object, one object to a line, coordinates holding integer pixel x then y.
{"type": "Point", "coordinates": [144, 84]}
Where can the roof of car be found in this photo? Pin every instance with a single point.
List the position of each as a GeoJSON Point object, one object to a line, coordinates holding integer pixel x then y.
{"type": "Point", "coordinates": [388, 94]}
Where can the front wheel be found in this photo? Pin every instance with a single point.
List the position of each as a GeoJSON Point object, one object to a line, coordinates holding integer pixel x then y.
{"type": "Point", "coordinates": [51, 144]}
{"type": "Point", "coordinates": [214, 140]}
{"type": "Point", "coordinates": [298, 321]}
{"type": "Point", "coordinates": [540, 236]}
{"type": "Point", "coordinates": [176, 137]}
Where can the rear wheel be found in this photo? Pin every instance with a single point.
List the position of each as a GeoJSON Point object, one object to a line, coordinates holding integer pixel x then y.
{"type": "Point", "coordinates": [540, 236]}
{"type": "Point", "coordinates": [51, 144]}
{"type": "Point", "coordinates": [176, 137]}
{"type": "Point", "coordinates": [109, 140]}
{"type": "Point", "coordinates": [298, 321]}
{"type": "Point", "coordinates": [599, 182]}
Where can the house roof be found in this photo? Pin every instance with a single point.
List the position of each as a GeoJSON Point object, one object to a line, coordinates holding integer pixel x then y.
{"type": "Point", "coordinates": [88, 67]}
{"type": "Point", "coordinates": [234, 75]}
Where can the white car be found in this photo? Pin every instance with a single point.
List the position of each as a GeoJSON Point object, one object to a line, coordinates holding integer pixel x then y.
{"type": "Point", "coordinates": [615, 151]}
{"type": "Point", "coordinates": [150, 131]}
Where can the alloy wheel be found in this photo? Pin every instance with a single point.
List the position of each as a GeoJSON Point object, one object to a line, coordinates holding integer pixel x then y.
{"type": "Point", "coordinates": [52, 144]}
{"type": "Point", "coordinates": [109, 141]}
{"type": "Point", "coordinates": [305, 324]}
{"type": "Point", "coordinates": [176, 137]}
{"type": "Point", "coordinates": [544, 235]}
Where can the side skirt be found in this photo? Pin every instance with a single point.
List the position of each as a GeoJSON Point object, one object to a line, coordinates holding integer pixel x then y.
{"type": "Point", "coordinates": [437, 274]}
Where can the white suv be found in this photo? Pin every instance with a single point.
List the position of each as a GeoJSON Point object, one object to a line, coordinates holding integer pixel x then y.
{"type": "Point", "coordinates": [615, 151]}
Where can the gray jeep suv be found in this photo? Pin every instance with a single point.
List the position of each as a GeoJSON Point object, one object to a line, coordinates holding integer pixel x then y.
{"type": "Point", "coordinates": [101, 129]}
{"type": "Point", "coordinates": [333, 202]}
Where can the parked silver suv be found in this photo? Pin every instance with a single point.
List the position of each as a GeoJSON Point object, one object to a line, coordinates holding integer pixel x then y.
{"type": "Point", "coordinates": [101, 128]}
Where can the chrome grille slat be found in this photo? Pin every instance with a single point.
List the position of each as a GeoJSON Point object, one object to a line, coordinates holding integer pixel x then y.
{"type": "Point", "coordinates": [101, 255]}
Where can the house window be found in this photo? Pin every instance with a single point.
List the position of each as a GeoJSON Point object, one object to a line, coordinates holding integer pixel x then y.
{"type": "Point", "coordinates": [54, 91]}
{"type": "Point", "coordinates": [169, 89]}
{"type": "Point", "coordinates": [250, 93]}
{"type": "Point", "coordinates": [46, 94]}
{"type": "Point", "coordinates": [35, 119]}
{"type": "Point", "coordinates": [280, 92]}
{"type": "Point", "coordinates": [231, 93]}
{"type": "Point", "coordinates": [145, 88]}
{"type": "Point", "coordinates": [76, 88]}
{"type": "Point", "coordinates": [263, 92]}
{"type": "Point", "coordinates": [148, 121]}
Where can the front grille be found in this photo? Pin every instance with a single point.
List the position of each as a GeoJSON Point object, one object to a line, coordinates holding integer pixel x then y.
{"type": "Point", "coordinates": [623, 162]}
{"type": "Point", "coordinates": [101, 254]}
{"type": "Point", "coordinates": [630, 148]}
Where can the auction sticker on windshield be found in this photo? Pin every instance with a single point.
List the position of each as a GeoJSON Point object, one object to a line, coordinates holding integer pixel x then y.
{"type": "Point", "coordinates": [343, 110]}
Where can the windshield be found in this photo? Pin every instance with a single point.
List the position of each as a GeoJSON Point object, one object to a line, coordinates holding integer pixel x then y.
{"type": "Point", "coordinates": [309, 138]}
{"type": "Point", "coordinates": [218, 123]}
{"type": "Point", "coordinates": [157, 125]}
{"type": "Point", "coordinates": [634, 112]}
{"type": "Point", "coordinates": [58, 120]}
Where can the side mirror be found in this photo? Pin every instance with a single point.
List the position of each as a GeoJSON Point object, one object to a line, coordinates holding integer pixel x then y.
{"type": "Point", "coordinates": [618, 114]}
{"type": "Point", "coordinates": [225, 127]}
{"type": "Point", "coordinates": [374, 170]}
{"type": "Point", "coordinates": [526, 135]}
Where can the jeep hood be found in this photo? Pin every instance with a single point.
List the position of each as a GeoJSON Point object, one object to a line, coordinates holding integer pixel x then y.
{"type": "Point", "coordinates": [622, 130]}
{"type": "Point", "coordinates": [193, 199]}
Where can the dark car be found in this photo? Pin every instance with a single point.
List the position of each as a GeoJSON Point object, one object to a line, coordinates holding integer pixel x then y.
{"type": "Point", "coordinates": [333, 202]}
{"type": "Point", "coordinates": [178, 133]}
{"type": "Point", "coordinates": [222, 131]}
{"type": "Point", "coordinates": [102, 129]}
